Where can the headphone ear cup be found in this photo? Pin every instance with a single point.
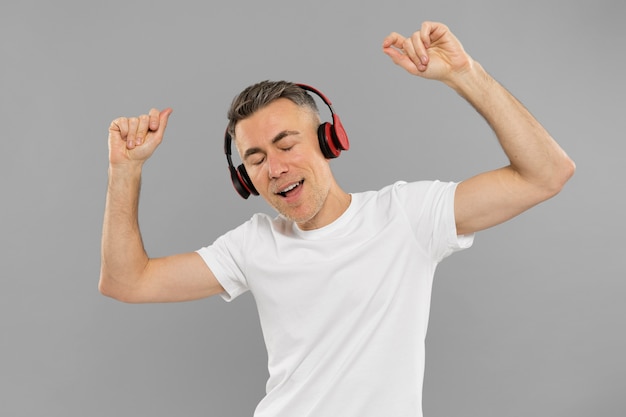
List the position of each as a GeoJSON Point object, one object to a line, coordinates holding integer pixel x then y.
{"type": "Point", "coordinates": [241, 181]}
{"type": "Point", "coordinates": [245, 180]}
{"type": "Point", "coordinates": [237, 183]}
{"type": "Point", "coordinates": [340, 136]}
{"type": "Point", "coordinates": [325, 134]}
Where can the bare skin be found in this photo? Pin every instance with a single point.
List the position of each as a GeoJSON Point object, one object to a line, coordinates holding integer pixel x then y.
{"type": "Point", "coordinates": [538, 167]}
{"type": "Point", "coordinates": [281, 152]}
{"type": "Point", "coordinates": [279, 149]}
{"type": "Point", "coordinates": [127, 273]}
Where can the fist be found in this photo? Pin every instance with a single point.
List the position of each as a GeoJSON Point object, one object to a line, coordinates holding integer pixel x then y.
{"type": "Point", "coordinates": [432, 52]}
{"type": "Point", "coordinates": [136, 138]}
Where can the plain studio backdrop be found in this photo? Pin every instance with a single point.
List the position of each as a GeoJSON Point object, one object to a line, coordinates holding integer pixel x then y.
{"type": "Point", "coordinates": [528, 322]}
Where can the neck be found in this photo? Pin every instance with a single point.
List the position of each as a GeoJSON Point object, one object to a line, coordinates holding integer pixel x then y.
{"type": "Point", "coordinates": [336, 203]}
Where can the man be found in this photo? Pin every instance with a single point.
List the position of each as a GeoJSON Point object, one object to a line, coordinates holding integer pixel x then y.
{"type": "Point", "coordinates": [342, 281]}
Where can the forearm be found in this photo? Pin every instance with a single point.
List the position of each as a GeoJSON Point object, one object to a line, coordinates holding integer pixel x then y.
{"type": "Point", "coordinates": [123, 255]}
{"type": "Point", "coordinates": [532, 152]}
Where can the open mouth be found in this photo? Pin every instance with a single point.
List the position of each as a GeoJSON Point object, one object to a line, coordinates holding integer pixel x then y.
{"type": "Point", "coordinates": [290, 189]}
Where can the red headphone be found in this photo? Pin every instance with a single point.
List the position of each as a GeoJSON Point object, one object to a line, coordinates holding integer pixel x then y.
{"type": "Point", "coordinates": [332, 139]}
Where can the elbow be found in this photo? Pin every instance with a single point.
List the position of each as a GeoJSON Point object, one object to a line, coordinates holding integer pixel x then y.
{"type": "Point", "coordinates": [559, 176]}
{"type": "Point", "coordinates": [566, 170]}
{"type": "Point", "coordinates": [570, 169]}
{"type": "Point", "coordinates": [105, 288]}
{"type": "Point", "coordinates": [108, 287]}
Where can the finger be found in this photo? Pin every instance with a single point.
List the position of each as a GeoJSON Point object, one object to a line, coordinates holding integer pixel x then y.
{"type": "Point", "coordinates": [156, 136]}
{"type": "Point", "coordinates": [393, 46]}
{"type": "Point", "coordinates": [420, 56]}
{"type": "Point", "coordinates": [119, 125]}
{"type": "Point", "coordinates": [393, 40]}
{"type": "Point", "coordinates": [118, 128]}
{"type": "Point", "coordinates": [142, 129]}
{"type": "Point", "coordinates": [436, 31]}
{"type": "Point", "coordinates": [401, 59]}
{"type": "Point", "coordinates": [396, 55]}
{"type": "Point", "coordinates": [411, 49]}
{"type": "Point", "coordinates": [163, 118]}
{"type": "Point", "coordinates": [133, 124]}
{"type": "Point", "coordinates": [154, 119]}
{"type": "Point", "coordinates": [425, 31]}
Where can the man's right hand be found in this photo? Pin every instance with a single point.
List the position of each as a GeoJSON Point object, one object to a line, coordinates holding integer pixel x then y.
{"type": "Point", "coordinates": [134, 139]}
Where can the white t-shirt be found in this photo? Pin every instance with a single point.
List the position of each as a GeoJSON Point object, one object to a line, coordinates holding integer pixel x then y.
{"type": "Point", "coordinates": [344, 308]}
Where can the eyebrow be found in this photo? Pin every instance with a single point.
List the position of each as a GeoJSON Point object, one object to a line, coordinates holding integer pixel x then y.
{"type": "Point", "coordinates": [280, 136]}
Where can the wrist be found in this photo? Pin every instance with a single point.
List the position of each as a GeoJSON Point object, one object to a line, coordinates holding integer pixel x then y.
{"type": "Point", "coordinates": [470, 81]}
{"type": "Point", "coordinates": [128, 169]}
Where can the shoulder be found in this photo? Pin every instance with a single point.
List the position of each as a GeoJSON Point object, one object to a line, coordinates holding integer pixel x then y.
{"type": "Point", "coordinates": [239, 240]}
{"type": "Point", "coordinates": [255, 224]}
{"type": "Point", "coordinates": [416, 191]}
{"type": "Point", "coordinates": [418, 200]}
{"type": "Point", "coordinates": [261, 227]}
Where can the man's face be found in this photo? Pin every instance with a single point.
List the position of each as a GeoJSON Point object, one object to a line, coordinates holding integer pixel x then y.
{"type": "Point", "coordinates": [279, 148]}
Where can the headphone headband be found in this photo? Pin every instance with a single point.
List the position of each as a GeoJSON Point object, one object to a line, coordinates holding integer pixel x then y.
{"type": "Point", "coordinates": [319, 94]}
{"type": "Point", "coordinates": [332, 140]}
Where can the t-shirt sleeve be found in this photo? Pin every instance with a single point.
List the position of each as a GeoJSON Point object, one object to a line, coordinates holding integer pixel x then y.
{"type": "Point", "coordinates": [430, 209]}
{"type": "Point", "coordinates": [226, 259]}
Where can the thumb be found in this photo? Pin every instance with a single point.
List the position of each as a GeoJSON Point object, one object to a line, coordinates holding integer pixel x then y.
{"type": "Point", "coordinates": [163, 118]}
{"type": "Point", "coordinates": [401, 59]}
{"type": "Point", "coordinates": [158, 123]}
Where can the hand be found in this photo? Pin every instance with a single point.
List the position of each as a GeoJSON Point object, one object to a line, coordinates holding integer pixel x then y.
{"type": "Point", "coordinates": [136, 138]}
{"type": "Point", "coordinates": [433, 52]}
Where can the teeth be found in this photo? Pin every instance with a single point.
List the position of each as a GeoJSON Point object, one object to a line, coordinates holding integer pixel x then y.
{"type": "Point", "coordinates": [286, 190]}
{"type": "Point", "coordinates": [291, 187]}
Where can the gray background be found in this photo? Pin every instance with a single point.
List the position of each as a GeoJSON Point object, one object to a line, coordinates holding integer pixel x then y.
{"type": "Point", "coordinates": [529, 321]}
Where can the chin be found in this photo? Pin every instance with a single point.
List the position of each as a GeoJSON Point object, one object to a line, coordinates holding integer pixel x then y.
{"type": "Point", "coordinates": [295, 215]}
{"type": "Point", "coordinates": [305, 212]}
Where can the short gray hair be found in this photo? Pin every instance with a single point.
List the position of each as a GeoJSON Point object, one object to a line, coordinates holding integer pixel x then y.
{"type": "Point", "coordinates": [259, 95]}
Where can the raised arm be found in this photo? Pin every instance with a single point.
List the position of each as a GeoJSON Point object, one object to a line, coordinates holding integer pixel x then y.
{"type": "Point", "coordinates": [538, 167]}
{"type": "Point", "coordinates": [127, 273]}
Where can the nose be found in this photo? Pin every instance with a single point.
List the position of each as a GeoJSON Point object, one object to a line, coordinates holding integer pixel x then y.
{"type": "Point", "coordinates": [276, 165]}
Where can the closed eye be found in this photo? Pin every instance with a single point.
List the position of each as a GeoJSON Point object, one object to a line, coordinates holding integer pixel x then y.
{"type": "Point", "coordinates": [257, 161]}
{"type": "Point", "coordinates": [250, 155]}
